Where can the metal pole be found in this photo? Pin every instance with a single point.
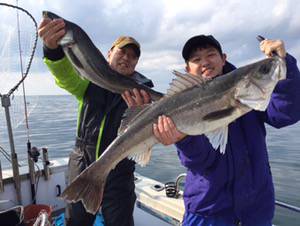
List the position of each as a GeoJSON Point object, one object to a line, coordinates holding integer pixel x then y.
{"type": "Point", "coordinates": [31, 173]}
{"type": "Point", "coordinates": [6, 104]}
{"type": "Point", "coordinates": [287, 206]}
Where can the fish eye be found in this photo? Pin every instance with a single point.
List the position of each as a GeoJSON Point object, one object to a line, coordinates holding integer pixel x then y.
{"type": "Point", "coordinates": [265, 69]}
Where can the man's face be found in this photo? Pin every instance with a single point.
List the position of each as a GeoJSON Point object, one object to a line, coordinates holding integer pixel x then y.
{"type": "Point", "coordinates": [207, 62]}
{"type": "Point", "coordinates": [123, 60]}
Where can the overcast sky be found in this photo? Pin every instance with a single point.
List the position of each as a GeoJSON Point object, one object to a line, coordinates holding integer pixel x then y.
{"type": "Point", "coordinates": [162, 27]}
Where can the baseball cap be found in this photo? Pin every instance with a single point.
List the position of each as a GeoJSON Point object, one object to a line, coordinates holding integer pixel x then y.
{"type": "Point", "coordinates": [123, 41]}
{"type": "Point", "coordinates": [198, 41]}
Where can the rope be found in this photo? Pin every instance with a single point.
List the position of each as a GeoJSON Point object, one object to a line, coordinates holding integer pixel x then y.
{"type": "Point", "coordinates": [7, 156]}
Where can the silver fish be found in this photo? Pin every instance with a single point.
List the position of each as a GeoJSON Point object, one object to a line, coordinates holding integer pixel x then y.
{"type": "Point", "coordinates": [196, 107]}
{"type": "Point", "coordinates": [87, 59]}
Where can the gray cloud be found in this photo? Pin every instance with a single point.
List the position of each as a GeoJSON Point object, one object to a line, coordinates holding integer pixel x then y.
{"type": "Point", "coordinates": [162, 27]}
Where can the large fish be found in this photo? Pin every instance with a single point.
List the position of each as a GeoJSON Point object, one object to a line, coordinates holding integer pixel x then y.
{"type": "Point", "coordinates": [87, 59]}
{"type": "Point", "coordinates": [196, 107]}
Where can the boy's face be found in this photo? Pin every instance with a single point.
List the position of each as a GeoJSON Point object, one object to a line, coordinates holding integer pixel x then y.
{"type": "Point", "coordinates": [207, 62]}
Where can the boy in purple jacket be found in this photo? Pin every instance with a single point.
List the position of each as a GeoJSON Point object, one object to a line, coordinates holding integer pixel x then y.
{"type": "Point", "coordinates": [223, 190]}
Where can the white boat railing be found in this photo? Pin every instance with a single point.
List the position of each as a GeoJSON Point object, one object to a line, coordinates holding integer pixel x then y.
{"type": "Point", "coordinates": [284, 205]}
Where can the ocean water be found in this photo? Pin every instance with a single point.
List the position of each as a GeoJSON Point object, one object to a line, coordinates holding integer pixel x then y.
{"type": "Point", "coordinates": [52, 124]}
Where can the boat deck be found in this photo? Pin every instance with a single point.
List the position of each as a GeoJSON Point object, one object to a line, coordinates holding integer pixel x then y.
{"type": "Point", "coordinates": [153, 207]}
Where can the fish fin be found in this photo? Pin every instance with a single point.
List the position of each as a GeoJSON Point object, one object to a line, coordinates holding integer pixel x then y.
{"type": "Point", "coordinates": [87, 190]}
{"type": "Point", "coordinates": [130, 114]}
{"type": "Point", "coordinates": [218, 138]}
{"type": "Point", "coordinates": [140, 78]}
{"type": "Point", "coordinates": [183, 82]}
{"type": "Point", "coordinates": [142, 155]}
{"type": "Point", "coordinates": [142, 158]}
{"type": "Point", "coordinates": [219, 114]}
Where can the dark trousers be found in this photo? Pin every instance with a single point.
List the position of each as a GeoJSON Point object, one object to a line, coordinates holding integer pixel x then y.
{"type": "Point", "coordinates": [118, 199]}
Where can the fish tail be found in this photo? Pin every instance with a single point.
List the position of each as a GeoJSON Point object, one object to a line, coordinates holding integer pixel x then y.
{"type": "Point", "coordinates": [86, 190]}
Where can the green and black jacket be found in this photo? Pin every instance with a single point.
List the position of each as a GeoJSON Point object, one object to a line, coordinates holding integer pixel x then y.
{"type": "Point", "coordinates": [100, 111]}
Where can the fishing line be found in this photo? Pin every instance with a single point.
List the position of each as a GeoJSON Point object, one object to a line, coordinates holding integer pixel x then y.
{"type": "Point", "coordinates": [22, 74]}
{"type": "Point", "coordinates": [34, 186]}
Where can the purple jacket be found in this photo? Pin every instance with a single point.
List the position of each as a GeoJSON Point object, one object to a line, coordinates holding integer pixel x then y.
{"type": "Point", "coordinates": [238, 185]}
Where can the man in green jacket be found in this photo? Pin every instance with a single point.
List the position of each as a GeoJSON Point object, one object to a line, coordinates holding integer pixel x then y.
{"type": "Point", "coordinates": [99, 117]}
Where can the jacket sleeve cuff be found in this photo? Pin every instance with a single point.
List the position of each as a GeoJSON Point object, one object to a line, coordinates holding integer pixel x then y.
{"type": "Point", "coordinates": [53, 54]}
{"type": "Point", "coordinates": [184, 141]}
{"type": "Point", "coordinates": [292, 69]}
{"type": "Point", "coordinates": [196, 153]}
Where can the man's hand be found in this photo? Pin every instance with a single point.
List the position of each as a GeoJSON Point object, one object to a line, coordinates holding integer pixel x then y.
{"type": "Point", "coordinates": [166, 132]}
{"type": "Point", "coordinates": [51, 31]}
{"type": "Point", "coordinates": [276, 46]}
{"type": "Point", "coordinates": [136, 97]}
